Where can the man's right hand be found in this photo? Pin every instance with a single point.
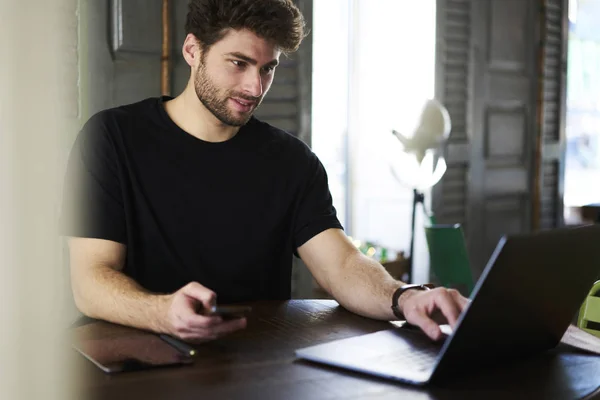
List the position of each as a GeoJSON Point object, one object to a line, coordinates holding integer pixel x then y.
{"type": "Point", "coordinates": [183, 318]}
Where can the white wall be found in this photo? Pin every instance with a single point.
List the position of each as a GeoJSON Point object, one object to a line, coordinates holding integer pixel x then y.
{"type": "Point", "coordinates": [38, 77]}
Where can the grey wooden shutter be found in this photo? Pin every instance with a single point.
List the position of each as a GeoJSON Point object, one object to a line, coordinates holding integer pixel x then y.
{"type": "Point", "coordinates": [553, 69]}
{"type": "Point", "coordinates": [136, 49]}
{"type": "Point", "coordinates": [120, 45]}
{"type": "Point", "coordinates": [293, 83]}
{"type": "Point", "coordinates": [488, 79]}
{"type": "Point", "coordinates": [288, 103]}
{"type": "Point", "coordinates": [504, 110]}
{"type": "Point", "coordinates": [449, 202]}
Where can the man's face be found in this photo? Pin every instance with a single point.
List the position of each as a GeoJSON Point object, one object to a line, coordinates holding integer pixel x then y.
{"type": "Point", "coordinates": [234, 75]}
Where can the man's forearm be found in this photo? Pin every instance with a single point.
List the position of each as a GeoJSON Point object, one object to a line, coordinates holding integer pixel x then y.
{"type": "Point", "coordinates": [365, 288]}
{"type": "Point", "coordinates": [105, 293]}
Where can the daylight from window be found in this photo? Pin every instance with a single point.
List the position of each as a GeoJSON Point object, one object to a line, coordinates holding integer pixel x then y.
{"type": "Point", "coordinates": [582, 172]}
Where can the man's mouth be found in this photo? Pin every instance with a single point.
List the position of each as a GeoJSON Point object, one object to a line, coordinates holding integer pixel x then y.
{"type": "Point", "coordinates": [242, 105]}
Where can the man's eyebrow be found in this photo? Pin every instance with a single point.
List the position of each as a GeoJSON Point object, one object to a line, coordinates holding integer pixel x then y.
{"type": "Point", "coordinates": [250, 60]}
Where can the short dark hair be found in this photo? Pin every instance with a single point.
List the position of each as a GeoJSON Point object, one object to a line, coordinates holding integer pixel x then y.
{"type": "Point", "coordinates": [278, 21]}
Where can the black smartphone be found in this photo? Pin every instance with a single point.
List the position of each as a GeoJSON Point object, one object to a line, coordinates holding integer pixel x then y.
{"type": "Point", "coordinates": [231, 312]}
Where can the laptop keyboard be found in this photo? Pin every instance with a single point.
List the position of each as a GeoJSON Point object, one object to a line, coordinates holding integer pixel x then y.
{"type": "Point", "coordinates": [398, 353]}
{"type": "Point", "coordinates": [417, 359]}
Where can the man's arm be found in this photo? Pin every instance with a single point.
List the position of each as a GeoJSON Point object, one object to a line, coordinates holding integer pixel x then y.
{"type": "Point", "coordinates": [363, 286]}
{"type": "Point", "coordinates": [101, 290]}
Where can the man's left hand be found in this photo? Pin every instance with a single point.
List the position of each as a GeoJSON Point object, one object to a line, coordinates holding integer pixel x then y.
{"type": "Point", "coordinates": [428, 309]}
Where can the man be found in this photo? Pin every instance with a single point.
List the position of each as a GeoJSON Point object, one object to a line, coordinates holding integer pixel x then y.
{"type": "Point", "coordinates": [173, 204]}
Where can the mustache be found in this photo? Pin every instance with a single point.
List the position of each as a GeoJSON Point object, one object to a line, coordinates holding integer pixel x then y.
{"type": "Point", "coordinates": [246, 97]}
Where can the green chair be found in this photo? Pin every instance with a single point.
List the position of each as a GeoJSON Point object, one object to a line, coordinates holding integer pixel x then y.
{"type": "Point", "coordinates": [589, 314]}
{"type": "Point", "coordinates": [448, 258]}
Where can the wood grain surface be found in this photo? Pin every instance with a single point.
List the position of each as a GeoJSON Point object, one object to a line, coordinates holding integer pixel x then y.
{"type": "Point", "coordinates": [259, 363]}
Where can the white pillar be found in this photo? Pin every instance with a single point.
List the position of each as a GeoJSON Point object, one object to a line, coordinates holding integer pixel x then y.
{"type": "Point", "coordinates": [37, 40]}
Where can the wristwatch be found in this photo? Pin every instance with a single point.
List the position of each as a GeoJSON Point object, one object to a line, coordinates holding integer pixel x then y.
{"type": "Point", "coordinates": [402, 289]}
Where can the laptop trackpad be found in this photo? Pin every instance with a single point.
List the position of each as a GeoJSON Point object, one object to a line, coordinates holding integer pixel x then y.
{"type": "Point", "coordinates": [397, 353]}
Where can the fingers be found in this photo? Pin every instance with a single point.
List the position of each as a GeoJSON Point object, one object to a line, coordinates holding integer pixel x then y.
{"type": "Point", "coordinates": [208, 328]}
{"type": "Point", "coordinates": [198, 321]}
{"type": "Point", "coordinates": [213, 332]}
{"type": "Point", "coordinates": [187, 324]}
{"type": "Point", "coordinates": [428, 326]}
{"type": "Point", "coordinates": [447, 304]}
{"type": "Point", "coordinates": [420, 308]}
{"type": "Point", "coordinates": [185, 308]}
{"type": "Point", "coordinates": [230, 326]}
{"type": "Point", "coordinates": [461, 301]}
{"type": "Point", "coordinates": [416, 312]}
{"type": "Point", "coordinates": [205, 296]}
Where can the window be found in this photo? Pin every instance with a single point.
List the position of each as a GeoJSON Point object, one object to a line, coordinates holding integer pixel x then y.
{"type": "Point", "coordinates": [582, 168]}
{"type": "Point", "coordinates": [374, 67]}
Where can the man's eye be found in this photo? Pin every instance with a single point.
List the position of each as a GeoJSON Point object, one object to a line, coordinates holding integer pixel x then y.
{"type": "Point", "coordinates": [238, 63]}
{"type": "Point", "coordinates": [269, 69]}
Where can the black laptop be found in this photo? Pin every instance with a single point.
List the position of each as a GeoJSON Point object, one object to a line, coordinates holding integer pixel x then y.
{"type": "Point", "coordinates": [522, 305]}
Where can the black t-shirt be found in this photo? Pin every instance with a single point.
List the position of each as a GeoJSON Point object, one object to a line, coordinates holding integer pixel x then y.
{"type": "Point", "coordinates": [229, 215]}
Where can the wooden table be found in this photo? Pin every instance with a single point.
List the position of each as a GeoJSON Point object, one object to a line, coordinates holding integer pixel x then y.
{"type": "Point", "coordinates": [591, 213]}
{"type": "Point", "coordinates": [259, 363]}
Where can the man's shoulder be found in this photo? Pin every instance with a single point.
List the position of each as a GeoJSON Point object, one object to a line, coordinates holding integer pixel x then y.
{"type": "Point", "coordinates": [279, 138]}
{"type": "Point", "coordinates": [114, 121]}
{"type": "Point", "coordinates": [124, 112]}
{"type": "Point", "coordinates": [105, 127]}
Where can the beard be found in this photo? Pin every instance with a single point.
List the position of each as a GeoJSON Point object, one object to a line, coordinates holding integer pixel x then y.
{"type": "Point", "coordinates": [217, 103]}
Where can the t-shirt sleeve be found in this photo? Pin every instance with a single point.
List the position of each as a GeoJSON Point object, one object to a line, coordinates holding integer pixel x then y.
{"type": "Point", "coordinates": [315, 212]}
{"type": "Point", "coordinates": [92, 203]}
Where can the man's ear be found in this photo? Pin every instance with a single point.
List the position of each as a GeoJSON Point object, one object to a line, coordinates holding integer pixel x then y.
{"type": "Point", "coordinates": [191, 50]}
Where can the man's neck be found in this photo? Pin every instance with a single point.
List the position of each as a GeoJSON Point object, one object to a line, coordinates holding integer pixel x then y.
{"type": "Point", "coordinates": [188, 112]}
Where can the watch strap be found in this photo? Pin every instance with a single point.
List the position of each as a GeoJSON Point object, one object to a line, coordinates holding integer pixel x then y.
{"type": "Point", "coordinates": [398, 292]}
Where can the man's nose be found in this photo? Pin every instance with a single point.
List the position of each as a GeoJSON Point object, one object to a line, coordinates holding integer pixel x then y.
{"type": "Point", "coordinates": [253, 84]}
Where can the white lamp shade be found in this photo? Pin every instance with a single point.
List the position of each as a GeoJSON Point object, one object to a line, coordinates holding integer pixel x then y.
{"type": "Point", "coordinates": [433, 129]}
{"type": "Point", "coordinates": [434, 124]}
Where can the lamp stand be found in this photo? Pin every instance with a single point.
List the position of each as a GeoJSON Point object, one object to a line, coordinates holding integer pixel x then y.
{"type": "Point", "coordinates": [418, 198]}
